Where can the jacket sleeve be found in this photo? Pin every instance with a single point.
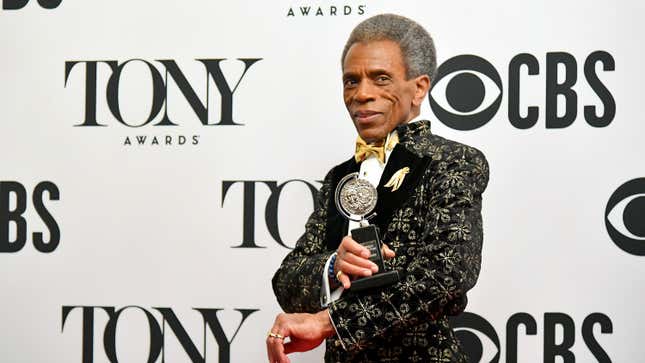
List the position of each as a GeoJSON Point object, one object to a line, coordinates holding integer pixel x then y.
{"type": "Point", "coordinates": [298, 281]}
{"type": "Point", "coordinates": [436, 278]}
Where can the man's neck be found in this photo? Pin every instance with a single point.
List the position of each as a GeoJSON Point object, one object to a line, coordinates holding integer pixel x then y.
{"type": "Point", "coordinates": [415, 119]}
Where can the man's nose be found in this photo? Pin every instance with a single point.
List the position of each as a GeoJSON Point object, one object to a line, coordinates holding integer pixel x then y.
{"type": "Point", "coordinates": [364, 91]}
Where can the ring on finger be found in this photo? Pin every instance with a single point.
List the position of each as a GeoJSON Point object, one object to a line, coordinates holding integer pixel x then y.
{"type": "Point", "coordinates": [339, 274]}
{"type": "Point", "coordinates": [275, 335]}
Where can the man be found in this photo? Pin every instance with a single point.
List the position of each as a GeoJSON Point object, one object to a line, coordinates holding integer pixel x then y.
{"type": "Point", "coordinates": [428, 213]}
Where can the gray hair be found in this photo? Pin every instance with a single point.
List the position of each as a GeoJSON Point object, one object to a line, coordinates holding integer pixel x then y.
{"type": "Point", "coordinates": [416, 44]}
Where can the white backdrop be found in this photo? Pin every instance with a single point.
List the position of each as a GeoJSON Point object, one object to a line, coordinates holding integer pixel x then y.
{"type": "Point", "coordinates": [151, 225]}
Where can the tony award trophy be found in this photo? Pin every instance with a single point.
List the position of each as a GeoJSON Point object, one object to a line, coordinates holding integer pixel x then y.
{"type": "Point", "coordinates": [355, 200]}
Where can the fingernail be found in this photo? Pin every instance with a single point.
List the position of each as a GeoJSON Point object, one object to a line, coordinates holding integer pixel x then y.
{"type": "Point", "coordinates": [365, 253]}
{"type": "Point", "coordinates": [367, 272]}
{"type": "Point", "coordinates": [374, 268]}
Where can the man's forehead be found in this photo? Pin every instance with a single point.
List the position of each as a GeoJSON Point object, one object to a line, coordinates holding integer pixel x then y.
{"type": "Point", "coordinates": [376, 53]}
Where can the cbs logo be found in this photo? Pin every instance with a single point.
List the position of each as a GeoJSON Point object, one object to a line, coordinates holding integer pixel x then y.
{"type": "Point", "coordinates": [467, 91]}
{"type": "Point", "coordinates": [19, 4]}
{"type": "Point", "coordinates": [482, 344]}
{"type": "Point", "coordinates": [477, 337]}
{"type": "Point", "coordinates": [624, 216]}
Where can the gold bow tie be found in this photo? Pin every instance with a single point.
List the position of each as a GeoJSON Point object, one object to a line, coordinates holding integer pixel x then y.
{"type": "Point", "coordinates": [365, 150]}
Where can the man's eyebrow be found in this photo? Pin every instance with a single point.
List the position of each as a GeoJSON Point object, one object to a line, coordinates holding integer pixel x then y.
{"type": "Point", "coordinates": [348, 74]}
{"type": "Point", "coordinates": [378, 71]}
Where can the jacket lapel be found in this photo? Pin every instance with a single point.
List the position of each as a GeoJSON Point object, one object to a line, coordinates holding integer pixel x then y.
{"type": "Point", "coordinates": [389, 200]}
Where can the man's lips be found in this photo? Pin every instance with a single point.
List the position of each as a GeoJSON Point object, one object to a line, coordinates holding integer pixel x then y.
{"type": "Point", "coordinates": [365, 116]}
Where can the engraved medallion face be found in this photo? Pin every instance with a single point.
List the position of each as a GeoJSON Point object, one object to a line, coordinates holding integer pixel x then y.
{"type": "Point", "coordinates": [355, 196]}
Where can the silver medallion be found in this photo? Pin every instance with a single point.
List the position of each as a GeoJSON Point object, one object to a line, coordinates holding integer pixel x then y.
{"type": "Point", "coordinates": [355, 197]}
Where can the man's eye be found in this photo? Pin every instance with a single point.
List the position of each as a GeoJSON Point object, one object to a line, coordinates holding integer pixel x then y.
{"type": "Point", "coordinates": [382, 79]}
{"type": "Point", "coordinates": [349, 82]}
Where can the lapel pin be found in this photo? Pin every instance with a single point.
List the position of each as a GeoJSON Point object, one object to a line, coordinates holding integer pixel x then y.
{"type": "Point", "coordinates": [397, 179]}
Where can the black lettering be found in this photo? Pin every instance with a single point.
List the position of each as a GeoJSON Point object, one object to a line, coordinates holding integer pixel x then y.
{"type": "Point", "coordinates": [183, 337]}
{"type": "Point", "coordinates": [224, 344]}
{"type": "Point", "coordinates": [186, 89]}
{"type": "Point", "coordinates": [332, 10]}
{"type": "Point", "coordinates": [112, 94]}
{"type": "Point", "coordinates": [514, 67]}
{"type": "Point", "coordinates": [154, 141]}
{"type": "Point", "coordinates": [512, 333]}
{"type": "Point", "coordinates": [195, 142]}
{"type": "Point", "coordinates": [271, 209]}
{"type": "Point", "coordinates": [248, 211]}
{"type": "Point", "coordinates": [141, 139]}
{"type": "Point", "coordinates": [214, 70]}
{"type": "Point", "coordinates": [168, 140]}
{"type": "Point", "coordinates": [109, 335]}
{"type": "Point", "coordinates": [551, 349]}
{"type": "Point", "coordinates": [609, 104]}
{"type": "Point", "coordinates": [47, 218]}
{"type": "Point", "coordinates": [361, 9]}
{"type": "Point", "coordinates": [127, 141]}
{"type": "Point", "coordinates": [347, 10]}
{"type": "Point", "coordinates": [181, 140]}
{"type": "Point", "coordinates": [7, 216]}
{"type": "Point", "coordinates": [304, 10]}
{"type": "Point", "coordinates": [319, 12]}
{"type": "Point", "coordinates": [553, 89]}
{"type": "Point", "coordinates": [88, 327]}
{"type": "Point", "coordinates": [606, 327]}
{"type": "Point", "coordinates": [90, 88]}
{"type": "Point", "coordinates": [290, 13]}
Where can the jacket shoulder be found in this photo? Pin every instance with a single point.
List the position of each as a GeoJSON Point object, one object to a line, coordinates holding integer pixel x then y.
{"type": "Point", "coordinates": [440, 148]}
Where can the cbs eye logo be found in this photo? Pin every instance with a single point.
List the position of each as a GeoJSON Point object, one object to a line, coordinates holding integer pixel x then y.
{"type": "Point", "coordinates": [625, 217]}
{"type": "Point", "coordinates": [19, 4]}
{"type": "Point", "coordinates": [467, 92]}
{"type": "Point", "coordinates": [477, 337]}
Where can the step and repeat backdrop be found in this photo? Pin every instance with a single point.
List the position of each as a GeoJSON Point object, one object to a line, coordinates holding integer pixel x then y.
{"type": "Point", "coordinates": [160, 158]}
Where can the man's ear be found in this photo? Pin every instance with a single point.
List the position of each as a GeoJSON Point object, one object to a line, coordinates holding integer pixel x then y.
{"type": "Point", "coordinates": [422, 84]}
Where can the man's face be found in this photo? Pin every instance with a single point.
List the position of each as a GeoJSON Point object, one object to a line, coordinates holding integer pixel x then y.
{"type": "Point", "coordinates": [377, 94]}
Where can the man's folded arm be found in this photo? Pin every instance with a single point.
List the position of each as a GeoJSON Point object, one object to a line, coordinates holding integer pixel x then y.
{"type": "Point", "coordinates": [435, 281]}
{"type": "Point", "coordinates": [297, 283]}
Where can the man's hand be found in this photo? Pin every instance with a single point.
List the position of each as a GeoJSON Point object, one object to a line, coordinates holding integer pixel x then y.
{"type": "Point", "coordinates": [352, 260]}
{"type": "Point", "coordinates": [305, 332]}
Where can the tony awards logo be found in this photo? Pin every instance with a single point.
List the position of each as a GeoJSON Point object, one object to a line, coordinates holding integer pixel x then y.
{"type": "Point", "coordinates": [356, 199]}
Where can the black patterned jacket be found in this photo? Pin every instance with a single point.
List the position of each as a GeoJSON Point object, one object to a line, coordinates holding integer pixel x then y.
{"type": "Point", "coordinates": [433, 223]}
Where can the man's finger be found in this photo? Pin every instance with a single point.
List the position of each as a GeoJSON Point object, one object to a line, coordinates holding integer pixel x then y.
{"type": "Point", "coordinates": [271, 354]}
{"type": "Point", "coordinates": [275, 345]}
{"type": "Point", "coordinates": [277, 348]}
{"type": "Point", "coordinates": [351, 269]}
{"type": "Point", "coordinates": [359, 261]}
{"type": "Point", "coordinates": [345, 281]}
{"type": "Point", "coordinates": [349, 245]}
{"type": "Point", "coordinates": [387, 252]}
{"type": "Point", "coordinates": [272, 348]}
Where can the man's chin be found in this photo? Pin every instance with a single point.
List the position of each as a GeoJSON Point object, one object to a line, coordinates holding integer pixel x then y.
{"type": "Point", "coordinates": [371, 136]}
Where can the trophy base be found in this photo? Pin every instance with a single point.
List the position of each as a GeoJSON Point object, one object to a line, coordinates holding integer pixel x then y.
{"type": "Point", "coordinates": [368, 236]}
{"type": "Point", "coordinates": [378, 280]}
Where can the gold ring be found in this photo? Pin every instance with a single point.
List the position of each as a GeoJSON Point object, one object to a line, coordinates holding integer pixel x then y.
{"type": "Point", "coordinates": [275, 335]}
{"type": "Point", "coordinates": [339, 274]}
